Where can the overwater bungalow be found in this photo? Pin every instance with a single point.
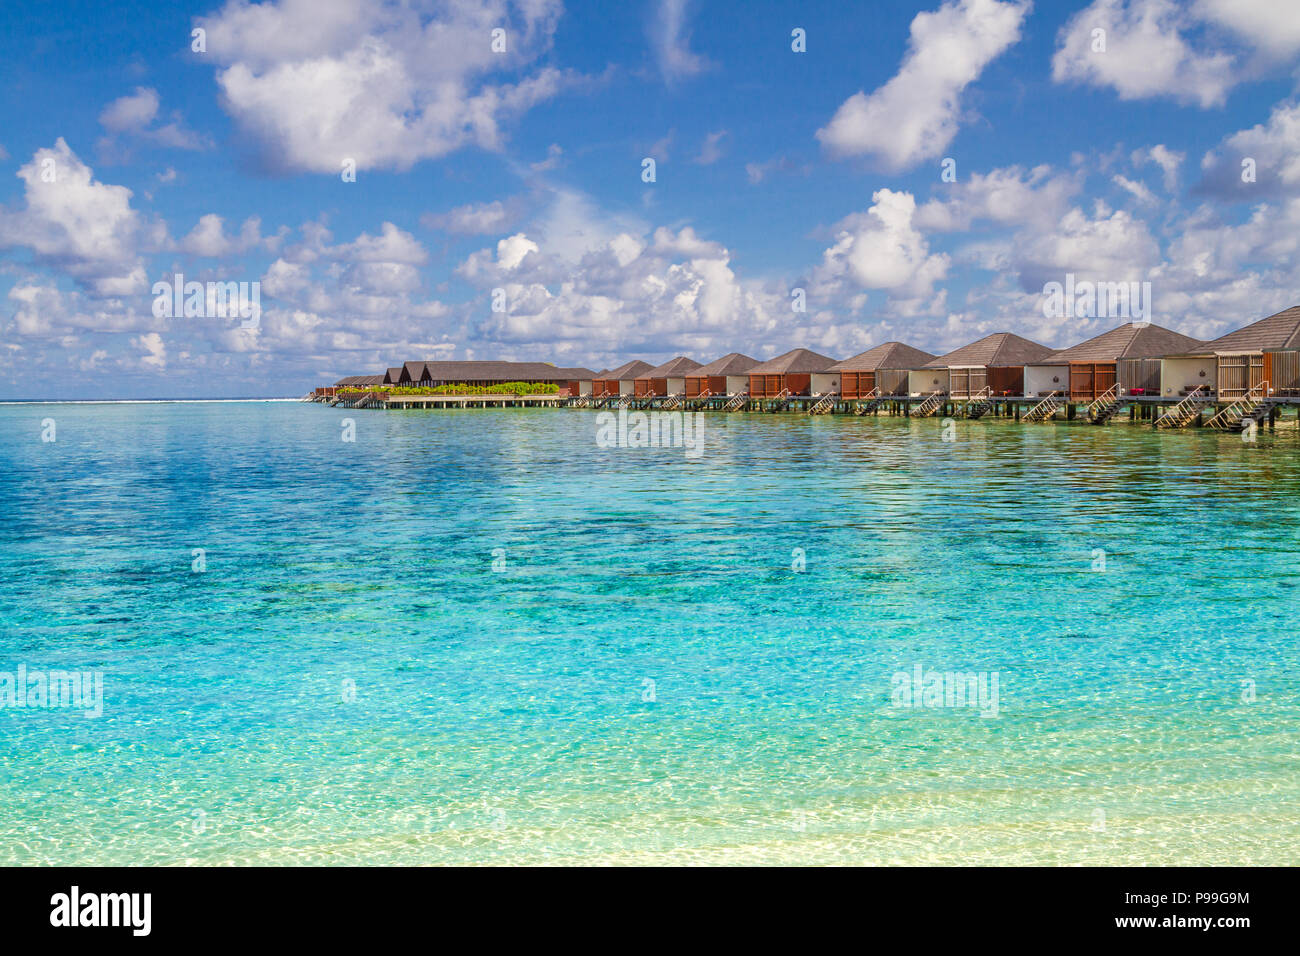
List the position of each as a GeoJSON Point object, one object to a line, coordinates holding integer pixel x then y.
{"type": "Point", "coordinates": [1128, 356]}
{"type": "Point", "coordinates": [996, 362]}
{"type": "Point", "coordinates": [728, 375]}
{"type": "Point", "coordinates": [790, 373]}
{"type": "Point", "coordinates": [622, 380]}
{"type": "Point", "coordinates": [359, 381]}
{"type": "Point", "coordinates": [576, 381]}
{"type": "Point", "coordinates": [885, 367]}
{"type": "Point", "coordinates": [1233, 364]}
{"type": "Point", "coordinates": [432, 374]}
{"type": "Point", "coordinates": [666, 379]}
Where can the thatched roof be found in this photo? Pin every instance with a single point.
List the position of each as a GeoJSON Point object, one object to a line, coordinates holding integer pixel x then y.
{"type": "Point", "coordinates": [1131, 340]}
{"type": "Point", "coordinates": [485, 371]}
{"type": "Point", "coordinates": [895, 355]}
{"type": "Point", "coordinates": [1277, 332]}
{"type": "Point", "coordinates": [999, 350]}
{"type": "Point", "coordinates": [795, 361]}
{"type": "Point", "coordinates": [627, 371]}
{"type": "Point", "coordinates": [673, 368]}
{"type": "Point", "coordinates": [359, 380]}
{"type": "Point", "coordinates": [733, 363]}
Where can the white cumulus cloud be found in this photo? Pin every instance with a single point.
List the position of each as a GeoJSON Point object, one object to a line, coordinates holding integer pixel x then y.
{"type": "Point", "coordinates": [916, 114]}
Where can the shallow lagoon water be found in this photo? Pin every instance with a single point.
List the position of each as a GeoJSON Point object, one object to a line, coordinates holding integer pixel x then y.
{"type": "Point", "coordinates": [646, 678]}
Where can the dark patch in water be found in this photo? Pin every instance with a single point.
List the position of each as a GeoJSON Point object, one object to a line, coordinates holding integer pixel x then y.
{"type": "Point", "coordinates": [1078, 636]}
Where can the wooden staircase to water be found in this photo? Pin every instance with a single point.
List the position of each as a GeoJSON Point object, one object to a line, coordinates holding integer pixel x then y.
{"type": "Point", "coordinates": [825, 404]}
{"type": "Point", "coordinates": [1251, 407]}
{"type": "Point", "coordinates": [979, 404]}
{"type": "Point", "coordinates": [1045, 409]}
{"type": "Point", "coordinates": [933, 402]}
{"type": "Point", "coordinates": [1185, 412]}
{"type": "Point", "coordinates": [869, 402]}
{"type": "Point", "coordinates": [1104, 407]}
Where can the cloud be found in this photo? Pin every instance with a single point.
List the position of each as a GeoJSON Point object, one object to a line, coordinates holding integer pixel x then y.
{"type": "Point", "coordinates": [44, 311]}
{"type": "Point", "coordinates": [1104, 246]}
{"type": "Point", "coordinates": [711, 149]}
{"type": "Point", "coordinates": [154, 351]}
{"type": "Point", "coordinates": [385, 85]}
{"type": "Point", "coordinates": [1147, 53]}
{"type": "Point", "coordinates": [1272, 147]}
{"type": "Point", "coordinates": [1169, 161]}
{"type": "Point", "coordinates": [75, 223]}
{"type": "Point", "coordinates": [133, 112]}
{"type": "Point", "coordinates": [554, 155]}
{"type": "Point", "coordinates": [915, 115]}
{"type": "Point", "coordinates": [1010, 196]}
{"type": "Point", "coordinates": [757, 172]}
{"type": "Point", "coordinates": [1270, 26]}
{"type": "Point", "coordinates": [208, 238]}
{"type": "Point", "coordinates": [883, 249]}
{"type": "Point", "coordinates": [670, 39]}
{"type": "Point", "coordinates": [1137, 190]}
{"type": "Point", "coordinates": [474, 219]}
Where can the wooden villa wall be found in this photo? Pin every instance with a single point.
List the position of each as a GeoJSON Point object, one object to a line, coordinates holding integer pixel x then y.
{"type": "Point", "coordinates": [857, 384]}
{"type": "Point", "coordinates": [965, 382]}
{"type": "Point", "coordinates": [891, 381]}
{"type": "Point", "coordinates": [1139, 373]}
{"type": "Point", "coordinates": [767, 386]}
{"type": "Point", "coordinates": [1240, 373]}
{"type": "Point", "coordinates": [1090, 380]}
{"type": "Point", "coordinates": [1006, 380]}
{"type": "Point", "coordinates": [1282, 371]}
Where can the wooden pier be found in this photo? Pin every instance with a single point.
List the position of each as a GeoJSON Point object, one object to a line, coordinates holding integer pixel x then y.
{"type": "Point", "coordinates": [1151, 410]}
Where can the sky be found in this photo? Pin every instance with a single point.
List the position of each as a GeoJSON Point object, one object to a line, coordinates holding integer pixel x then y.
{"type": "Point", "coordinates": [588, 183]}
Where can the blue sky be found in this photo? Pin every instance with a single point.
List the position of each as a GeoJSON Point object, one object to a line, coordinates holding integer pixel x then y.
{"type": "Point", "coordinates": [521, 171]}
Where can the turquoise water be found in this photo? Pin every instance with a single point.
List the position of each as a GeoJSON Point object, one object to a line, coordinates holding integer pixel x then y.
{"type": "Point", "coordinates": [647, 677]}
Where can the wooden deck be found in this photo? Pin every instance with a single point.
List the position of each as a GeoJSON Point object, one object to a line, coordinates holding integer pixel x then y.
{"type": "Point", "coordinates": [1146, 409]}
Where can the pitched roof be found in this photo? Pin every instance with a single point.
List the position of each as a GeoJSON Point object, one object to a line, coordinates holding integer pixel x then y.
{"type": "Point", "coordinates": [796, 360]}
{"type": "Point", "coordinates": [1131, 340]}
{"type": "Point", "coordinates": [359, 380]}
{"type": "Point", "coordinates": [1280, 331]}
{"type": "Point", "coordinates": [394, 374]}
{"type": "Point", "coordinates": [673, 368]}
{"type": "Point", "coordinates": [999, 350]}
{"type": "Point", "coordinates": [733, 363]}
{"type": "Point", "coordinates": [575, 373]}
{"type": "Point", "coordinates": [886, 355]}
{"type": "Point", "coordinates": [477, 371]}
{"type": "Point", "coordinates": [628, 370]}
